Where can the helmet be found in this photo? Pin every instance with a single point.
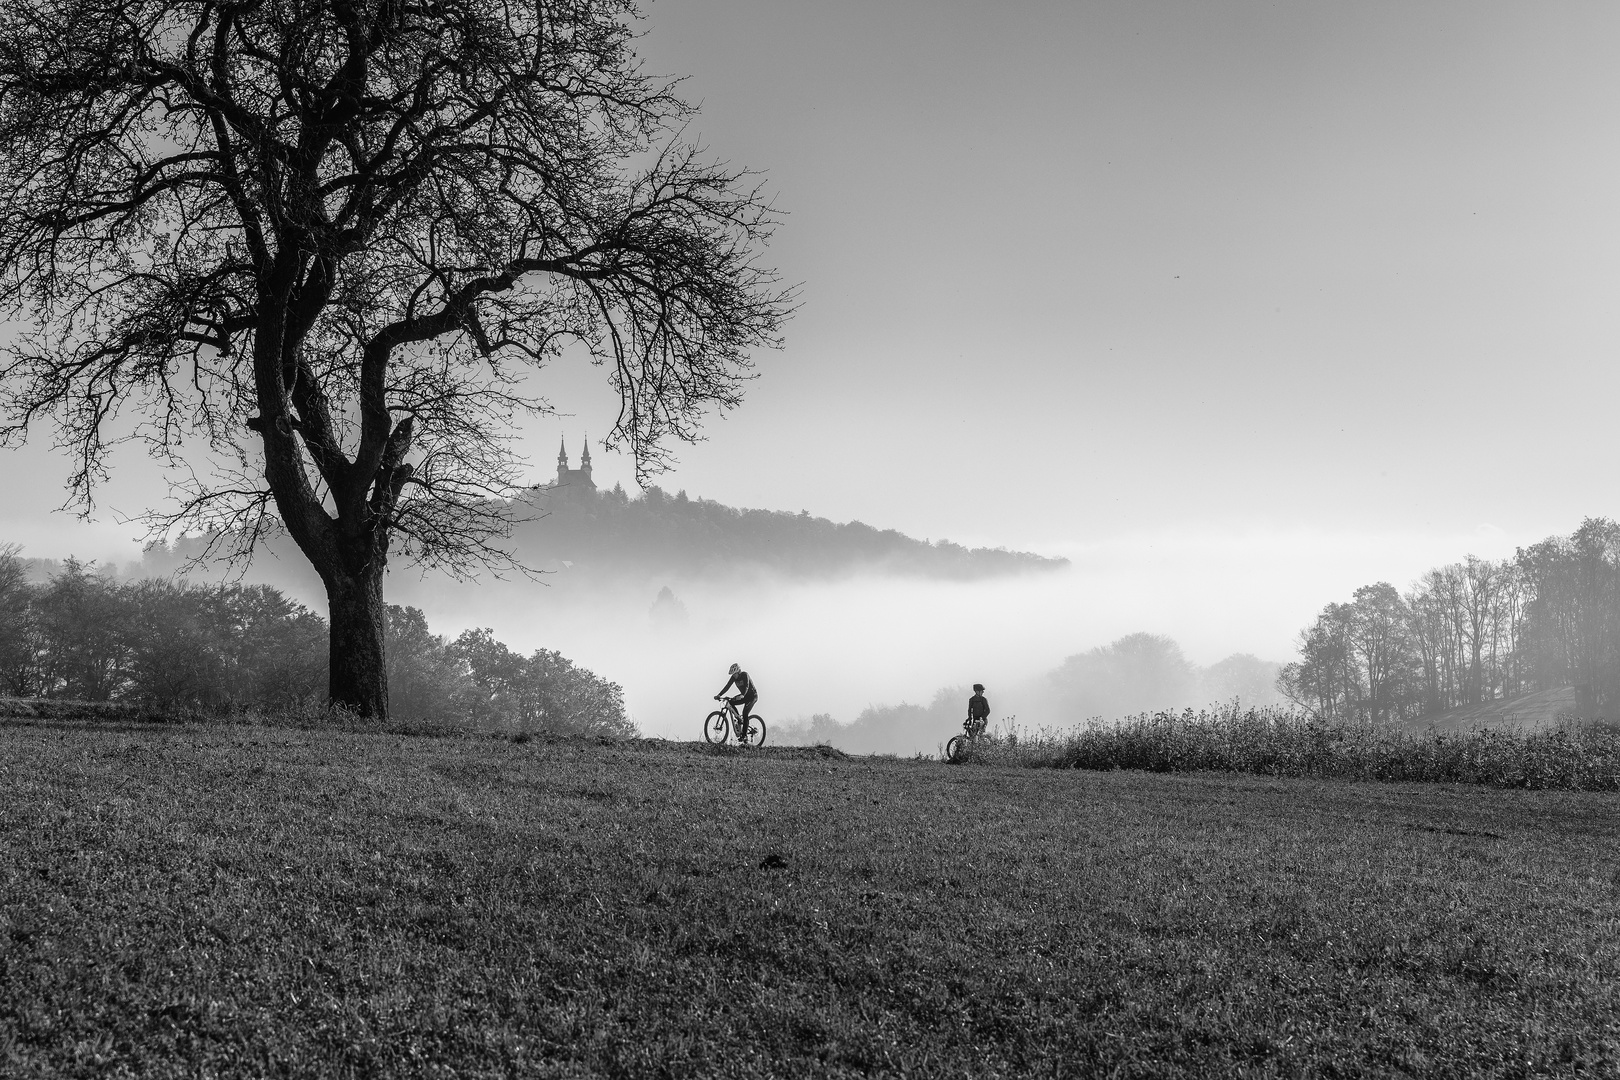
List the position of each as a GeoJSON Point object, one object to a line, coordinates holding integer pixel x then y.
{"type": "Point", "coordinates": [978, 687]}
{"type": "Point", "coordinates": [735, 668]}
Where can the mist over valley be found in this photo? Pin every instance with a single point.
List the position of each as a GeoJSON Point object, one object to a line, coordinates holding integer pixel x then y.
{"type": "Point", "coordinates": [858, 636]}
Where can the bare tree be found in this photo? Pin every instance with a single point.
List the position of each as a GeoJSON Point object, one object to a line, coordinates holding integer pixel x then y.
{"type": "Point", "coordinates": [1508, 623]}
{"type": "Point", "coordinates": [1430, 637]}
{"type": "Point", "coordinates": [1381, 645]}
{"type": "Point", "coordinates": [328, 239]}
{"type": "Point", "coordinates": [19, 626]}
{"type": "Point", "coordinates": [1325, 680]}
{"type": "Point", "coordinates": [1358, 661]}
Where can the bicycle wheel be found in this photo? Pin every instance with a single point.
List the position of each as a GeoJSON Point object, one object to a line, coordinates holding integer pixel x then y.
{"type": "Point", "coordinates": [956, 749]}
{"type": "Point", "coordinates": [756, 730]}
{"type": "Point", "coordinates": [717, 729]}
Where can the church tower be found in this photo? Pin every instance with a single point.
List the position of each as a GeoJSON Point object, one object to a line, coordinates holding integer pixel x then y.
{"type": "Point", "coordinates": [574, 479]}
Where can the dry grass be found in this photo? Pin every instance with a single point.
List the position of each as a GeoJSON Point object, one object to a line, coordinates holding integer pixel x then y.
{"type": "Point", "coordinates": [1269, 742]}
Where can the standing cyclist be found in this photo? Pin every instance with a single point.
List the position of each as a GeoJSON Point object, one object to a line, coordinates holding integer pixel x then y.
{"type": "Point", "coordinates": [747, 697]}
{"type": "Point", "coordinates": [978, 709]}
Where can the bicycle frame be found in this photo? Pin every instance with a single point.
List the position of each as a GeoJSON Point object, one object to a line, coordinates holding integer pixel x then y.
{"type": "Point", "coordinates": [730, 718]}
{"type": "Point", "coordinates": [972, 732]}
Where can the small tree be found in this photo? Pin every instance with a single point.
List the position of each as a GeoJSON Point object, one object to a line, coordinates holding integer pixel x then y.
{"type": "Point", "coordinates": [544, 690]}
{"type": "Point", "coordinates": [181, 644]}
{"type": "Point", "coordinates": [425, 680]}
{"type": "Point", "coordinates": [20, 648]}
{"type": "Point", "coordinates": [327, 238]}
{"type": "Point", "coordinates": [84, 627]}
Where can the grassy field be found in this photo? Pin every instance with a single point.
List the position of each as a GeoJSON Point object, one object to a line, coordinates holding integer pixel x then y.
{"type": "Point", "coordinates": [191, 901]}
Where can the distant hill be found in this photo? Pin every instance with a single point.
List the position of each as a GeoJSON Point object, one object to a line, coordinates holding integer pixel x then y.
{"type": "Point", "coordinates": [656, 532]}
{"type": "Point", "coordinates": [588, 535]}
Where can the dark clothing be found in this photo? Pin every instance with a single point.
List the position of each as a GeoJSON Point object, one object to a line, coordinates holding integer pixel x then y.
{"type": "Point", "coordinates": [978, 707]}
{"type": "Point", "coordinates": [747, 692]}
{"type": "Point", "coordinates": [744, 685]}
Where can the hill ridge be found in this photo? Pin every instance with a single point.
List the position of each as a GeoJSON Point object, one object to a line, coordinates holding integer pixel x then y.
{"type": "Point", "coordinates": [701, 537]}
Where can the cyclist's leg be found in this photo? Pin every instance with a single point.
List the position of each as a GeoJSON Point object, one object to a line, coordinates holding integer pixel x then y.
{"type": "Point", "coordinates": [748, 704]}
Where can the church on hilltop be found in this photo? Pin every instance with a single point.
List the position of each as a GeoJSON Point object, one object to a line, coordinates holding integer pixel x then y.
{"type": "Point", "coordinates": [574, 480]}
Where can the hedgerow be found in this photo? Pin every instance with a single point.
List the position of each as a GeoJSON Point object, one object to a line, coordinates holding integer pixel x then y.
{"type": "Point", "coordinates": [1571, 756]}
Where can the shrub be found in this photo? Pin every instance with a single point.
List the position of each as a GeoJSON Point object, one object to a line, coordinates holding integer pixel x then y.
{"type": "Point", "coordinates": [543, 691]}
{"type": "Point", "coordinates": [1574, 756]}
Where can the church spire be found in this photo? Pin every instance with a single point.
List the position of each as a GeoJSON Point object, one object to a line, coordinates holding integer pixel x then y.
{"type": "Point", "coordinates": [576, 480]}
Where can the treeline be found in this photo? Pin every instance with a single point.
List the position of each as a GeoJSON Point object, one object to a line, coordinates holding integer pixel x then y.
{"type": "Point", "coordinates": [1470, 633]}
{"type": "Point", "coordinates": [479, 681]}
{"type": "Point", "coordinates": [219, 649]}
{"type": "Point", "coordinates": [673, 534]}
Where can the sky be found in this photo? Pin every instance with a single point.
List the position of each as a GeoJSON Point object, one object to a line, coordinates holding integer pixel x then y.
{"type": "Point", "coordinates": [1278, 298]}
{"type": "Point", "coordinates": [1073, 271]}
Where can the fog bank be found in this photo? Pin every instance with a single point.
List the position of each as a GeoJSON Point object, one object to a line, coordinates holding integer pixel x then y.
{"type": "Point", "coordinates": [839, 647]}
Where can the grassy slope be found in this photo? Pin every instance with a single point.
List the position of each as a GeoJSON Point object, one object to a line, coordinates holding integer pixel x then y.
{"type": "Point", "coordinates": [246, 901]}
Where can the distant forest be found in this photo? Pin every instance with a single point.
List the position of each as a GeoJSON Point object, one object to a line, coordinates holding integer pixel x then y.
{"type": "Point", "coordinates": [69, 631]}
{"type": "Point", "coordinates": [671, 534]}
{"type": "Point", "coordinates": [1470, 633]}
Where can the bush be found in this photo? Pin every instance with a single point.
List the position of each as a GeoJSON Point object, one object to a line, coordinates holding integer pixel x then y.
{"type": "Point", "coordinates": [1574, 756]}
{"type": "Point", "coordinates": [544, 691]}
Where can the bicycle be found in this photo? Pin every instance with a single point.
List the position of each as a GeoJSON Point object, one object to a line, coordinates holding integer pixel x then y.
{"type": "Point", "coordinates": [957, 749]}
{"type": "Point", "coordinates": [720, 724]}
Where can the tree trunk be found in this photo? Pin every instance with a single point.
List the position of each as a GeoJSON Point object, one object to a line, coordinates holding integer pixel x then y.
{"type": "Point", "coordinates": [358, 678]}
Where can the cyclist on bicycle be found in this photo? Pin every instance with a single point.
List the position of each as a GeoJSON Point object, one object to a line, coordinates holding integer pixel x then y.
{"type": "Point", "coordinates": [978, 709]}
{"type": "Point", "coordinates": [747, 696]}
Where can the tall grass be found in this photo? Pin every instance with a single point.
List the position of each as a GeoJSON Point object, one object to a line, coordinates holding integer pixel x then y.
{"type": "Point", "coordinates": [1573, 756]}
